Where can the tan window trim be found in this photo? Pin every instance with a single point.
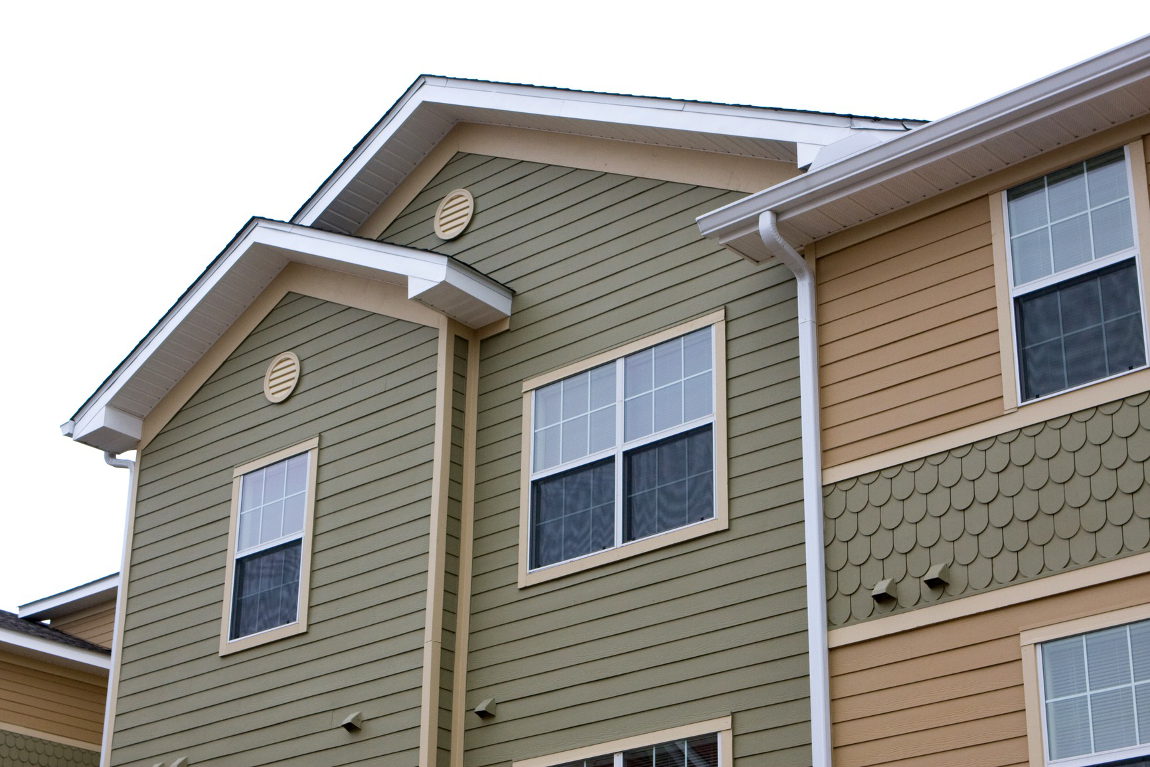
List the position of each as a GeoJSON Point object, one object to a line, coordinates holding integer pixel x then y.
{"type": "Point", "coordinates": [527, 577]}
{"type": "Point", "coordinates": [721, 726]}
{"type": "Point", "coordinates": [311, 447]}
{"type": "Point", "coordinates": [1029, 641]}
{"type": "Point", "coordinates": [1061, 403]}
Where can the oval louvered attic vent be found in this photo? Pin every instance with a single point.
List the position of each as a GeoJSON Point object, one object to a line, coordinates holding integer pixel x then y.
{"type": "Point", "coordinates": [282, 377]}
{"type": "Point", "coordinates": [454, 214]}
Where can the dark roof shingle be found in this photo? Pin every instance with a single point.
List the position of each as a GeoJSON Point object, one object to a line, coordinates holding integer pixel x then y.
{"type": "Point", "coordinates": [14, 622]}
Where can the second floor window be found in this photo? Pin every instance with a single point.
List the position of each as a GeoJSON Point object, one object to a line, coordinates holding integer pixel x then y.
{"type": "Point", "coordinates": [1075, 277]}
{"type": "Point", "coordinates": [269, 547]}
{"type": "Point", "coordinates": [623, 451]}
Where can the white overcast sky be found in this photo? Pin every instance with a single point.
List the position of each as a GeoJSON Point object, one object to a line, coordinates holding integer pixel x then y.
{"type": "Point", "coordinates": [136, 138]}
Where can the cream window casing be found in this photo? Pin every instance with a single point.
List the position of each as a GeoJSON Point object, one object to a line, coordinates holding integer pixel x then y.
{"type": "Point", "coordinates": [1020, 285]}
{"type": "Point", "coordinates": [1091, 674]}
{"type": "Point", "coordinates": [627, 752]}
{"type": "Point", "coordinates": [612, 399]}
{"type": "Point", "coordinates": [291, 508]}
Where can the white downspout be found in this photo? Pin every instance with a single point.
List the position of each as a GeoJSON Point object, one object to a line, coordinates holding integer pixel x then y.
{"type": "Point", "coordinates": [121, 596]}
{"type": "Point", "coordinates": [812, 487]}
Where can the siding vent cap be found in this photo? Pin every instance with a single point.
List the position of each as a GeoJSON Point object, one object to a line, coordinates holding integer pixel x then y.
{"type": "Point", "coordinates": [486, 708]}
{"type": "Point", "coordinates": [883, 591]}
{"type": "Point", "coordinates": [181, 762]}
{"type": "Point", "coordinates": [353, 722]}
{"type": "Point", "coordinates": [282, 376]}
{"type": "Point", "coordinates": [937, 576]}
{"type": "Point", "coordinates": [454, 214]}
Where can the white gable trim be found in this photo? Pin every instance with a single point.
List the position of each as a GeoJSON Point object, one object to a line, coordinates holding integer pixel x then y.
{"type": "Point", "coordinates": [440, 103]}
{"type": "Point", "coordinates": [113, 418]}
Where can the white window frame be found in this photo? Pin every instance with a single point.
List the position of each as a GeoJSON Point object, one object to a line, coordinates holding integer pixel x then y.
{"type": "Point", "coordinates": [717, 420]}
{"type": "Point", "coordinates": [299, 625]}
{"type": "Point", "coordinates": [1133, 253]}
{"type": "Point", "coordinates": [720, 727]}
{"type": "Point", "coordinates": [1036, 727]}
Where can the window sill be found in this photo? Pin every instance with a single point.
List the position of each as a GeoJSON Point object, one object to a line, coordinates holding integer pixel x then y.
{"type": "Point", "coordinates": [227, 647]}
{"type": "Point", "coordinates": [627, 550]}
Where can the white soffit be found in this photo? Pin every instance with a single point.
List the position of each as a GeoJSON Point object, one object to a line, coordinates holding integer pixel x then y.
{"type": "Point", "coordinates": [72, 600]}
{"type": "Point", "coordinates": [112, 419]}
{"type": "Point", "coordinates": [1057, 110]}
{"type": "Point", "coordinates": [433, 105]}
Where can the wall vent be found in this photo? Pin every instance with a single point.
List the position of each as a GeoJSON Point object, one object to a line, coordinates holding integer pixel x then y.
{"type": "Point", "coordinates": [282, 376]}
{"type": "Point", "coordinates": [454, 214]}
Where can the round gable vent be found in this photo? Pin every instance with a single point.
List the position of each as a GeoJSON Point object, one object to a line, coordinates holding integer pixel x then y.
{"type": "Point", "coordinates": [282, 377]}
{"type": "Point", "coordinates": [454, 214]}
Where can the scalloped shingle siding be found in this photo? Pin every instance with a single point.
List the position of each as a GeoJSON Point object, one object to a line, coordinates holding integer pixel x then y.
{"type": "Point", "coordinates": [17, 750]}
{"type": "Point", "coordinates": [1044, 499]}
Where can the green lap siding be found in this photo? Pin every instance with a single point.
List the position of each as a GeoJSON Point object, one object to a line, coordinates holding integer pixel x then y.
{"type": "Point", "coordinates": [701, 629]}
{"type": "Point", "coordinates": [18, 750]}
{"type": "Point", "coordinates": [368, 391]}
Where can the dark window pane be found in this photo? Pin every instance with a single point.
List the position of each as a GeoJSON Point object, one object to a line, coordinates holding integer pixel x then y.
{"type": "Point", "coordinates": [669, 754]}
{"type": "Point", "coordinates": [668, 484]}
{"type": "Point", "coordinates": [703, 751]}
{"type": "Point", "coordinates": [700, 751]}
{"type": "Point", "coordinates": [1062, 337]}
{"type": "Point", "coordinates": [1081, 305]}
{"type": "Point", "coordinates": [1119, 292]}
{"type": "Point", "coordinates": [1085, 356]}
{"type": "Point", "coordinates": [572, 513]}
{"type": "Point", "coordinates": [266, 591]}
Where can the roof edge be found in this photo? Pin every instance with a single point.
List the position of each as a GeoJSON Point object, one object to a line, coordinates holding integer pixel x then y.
{"type": "Point", "coordinates": [935, 140]}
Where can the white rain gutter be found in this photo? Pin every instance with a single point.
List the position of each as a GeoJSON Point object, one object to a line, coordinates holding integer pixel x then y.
{"type": "Point", "coordinates": [812, 486]}
{"type": "Point", "coordinates": [121, 600]}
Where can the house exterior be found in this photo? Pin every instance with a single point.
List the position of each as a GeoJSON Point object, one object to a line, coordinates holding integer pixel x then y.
{"type": "Point", "coordinates": [524, 487]}
{"type": "Point", "coordinates": [532, 439]}
{"type": "Point", "coordinates": [980, 295]}
{"type": "Point", "coordinates": [54, 677]}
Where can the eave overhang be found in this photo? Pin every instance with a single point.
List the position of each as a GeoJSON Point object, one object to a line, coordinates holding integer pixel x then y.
{"type": "Point", "coordinates": [73, 600]}
{"type": "Point", "coordinates": [432, 106]}
{"type": "Point", "coordinates": [57, 653]}
{"type": "Point", "coordinates": [1054, 111]}
{"type": "Point", "coordinates": [112, 418]}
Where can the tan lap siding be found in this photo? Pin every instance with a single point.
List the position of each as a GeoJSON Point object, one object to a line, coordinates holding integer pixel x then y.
{"type": "Point", "coordinates": [908, 334]}
{"type": "Point", "coordinates": [94, 624]}
{"type": "Point", "coordinates": [368, 391]}
{"type": "Point", "coordinates": [950, 693]}
{"type": "Point", "coordinates": [687, 633]}
{"type": "Point", "coordinates": [43, 698]}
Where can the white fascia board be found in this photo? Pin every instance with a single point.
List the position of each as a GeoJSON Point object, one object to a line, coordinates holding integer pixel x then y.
{"type": "Point", "coordinates": [1039, 99]}
{"type": "Point", "coordinates": [88, 660]}
{"type": "Point", "coordinates": [100, 424]}
{"type": "Point", "coordinates": [102, 590]}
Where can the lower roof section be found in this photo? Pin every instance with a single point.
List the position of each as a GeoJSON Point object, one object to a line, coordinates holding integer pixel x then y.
{"type": "Point", "coordinates": [112, 418]}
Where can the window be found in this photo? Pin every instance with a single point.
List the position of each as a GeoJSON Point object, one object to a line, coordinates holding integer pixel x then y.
{"type": "Point", "coordinates": [270, 546]}
{"type": "Point", "coordinates": [705, 744]}
{"type": "Point", "coordinates": [627, 448]}
{"type": "Point", "coordinates": [1074, 276]}
{"type": "Point", "coordinates": [1091, 690]}
{"type": "Point", "coordinates": [700, 751]}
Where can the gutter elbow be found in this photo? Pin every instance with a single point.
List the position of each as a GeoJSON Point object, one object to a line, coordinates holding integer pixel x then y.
{"type": "Point", "coordinates": [117, 463]}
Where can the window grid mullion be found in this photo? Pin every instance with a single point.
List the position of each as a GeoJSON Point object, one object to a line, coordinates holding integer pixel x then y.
{"type": "Point", "coordinates": [1089, 703]}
